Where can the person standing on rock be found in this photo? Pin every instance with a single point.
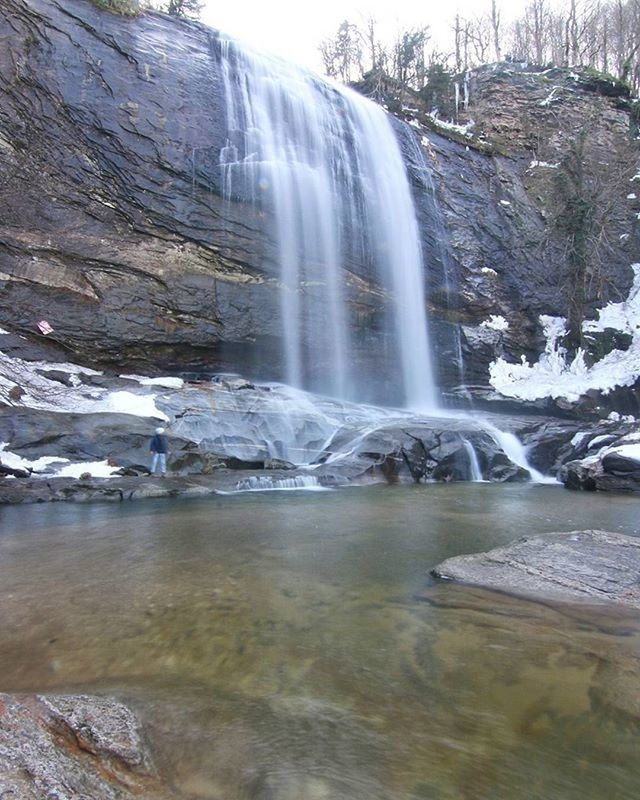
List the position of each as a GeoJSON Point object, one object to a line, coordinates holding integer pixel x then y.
{"type": "Point", "coordinates": [159, 447]}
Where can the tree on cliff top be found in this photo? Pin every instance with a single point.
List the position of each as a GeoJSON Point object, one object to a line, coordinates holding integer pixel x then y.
{"type": "Point", "coordinates": [176, 8]}
{"type": "Point", "coordinates": [184, 8]}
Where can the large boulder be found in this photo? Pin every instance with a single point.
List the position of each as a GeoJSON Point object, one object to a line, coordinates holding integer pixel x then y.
{"type": "Point", "coordinates": [74, 746]}
{"type": "Point", "coordinates": [580, 566]}
{"type": "Point", "coordinates": [606, 462]}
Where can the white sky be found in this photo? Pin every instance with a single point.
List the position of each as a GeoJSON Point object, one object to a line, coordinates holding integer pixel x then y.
{"type": "Point", "coordinates": [293, 29]}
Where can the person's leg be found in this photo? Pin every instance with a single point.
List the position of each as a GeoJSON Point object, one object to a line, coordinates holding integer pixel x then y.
{"type": "Point", "coordinates": [162, 458]}
{"type": "Point", "coordinates": [154, 463]}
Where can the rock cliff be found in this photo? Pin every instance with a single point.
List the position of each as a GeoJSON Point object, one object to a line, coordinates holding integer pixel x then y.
{"type": "Point", "coordinates": [114, 228]}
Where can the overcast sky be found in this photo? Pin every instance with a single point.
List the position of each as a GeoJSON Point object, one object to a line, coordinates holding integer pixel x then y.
{"type": "Point", "coordinates": [294, 28]}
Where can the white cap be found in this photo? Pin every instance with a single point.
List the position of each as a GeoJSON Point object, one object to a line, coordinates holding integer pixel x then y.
{"type": "Point", "coordinates": [159, 430]}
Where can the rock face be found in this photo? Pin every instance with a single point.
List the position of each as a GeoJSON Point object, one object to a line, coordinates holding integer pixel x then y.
{"type": "Point", "coordinates": [107, 234]}
{"type": "Point", "coordinates": [114, 229]}
{"type": "Point", "coordinates": [585, 566]}
{"type": "Point", "coordinates": [505, 192]}
{"type": "Point", "coordinates": [74, 746]}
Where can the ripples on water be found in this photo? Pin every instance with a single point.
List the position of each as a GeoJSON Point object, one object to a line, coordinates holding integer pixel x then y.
{"type": "Point", "coordinates": [276, 648]}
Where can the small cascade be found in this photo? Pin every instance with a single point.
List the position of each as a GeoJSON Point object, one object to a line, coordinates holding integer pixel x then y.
{"type": "Point", "coordinates": [516, 451]}
{"type": "Point", "coordinates": [323, 167]}
{"type": "Point", "coordinates": [474, 464]}
{"type": "Point", "coordinates": [262, 483]}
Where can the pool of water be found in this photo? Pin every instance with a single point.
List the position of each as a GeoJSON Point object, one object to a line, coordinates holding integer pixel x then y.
{"type": "Point", "coordinates": [290, 646]}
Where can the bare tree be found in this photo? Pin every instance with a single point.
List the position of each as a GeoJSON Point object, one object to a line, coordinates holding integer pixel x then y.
{"type": "Point", "coordinates": [496, 31]}
{"type": "Point", "coordinates": [342, 55]}
{"type": "Point", "coordinates": [378, 56]}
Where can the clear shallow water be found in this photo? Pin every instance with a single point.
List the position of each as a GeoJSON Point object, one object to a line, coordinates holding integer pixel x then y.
{"type": "Point", "coordinates": [276, 647]}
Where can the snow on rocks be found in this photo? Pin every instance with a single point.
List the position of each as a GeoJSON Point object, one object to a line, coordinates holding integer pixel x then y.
{"type": "Point", "coordinates": [31, 384]}
{"type": "Point", "coordinates": [462, 130]}
{"type": "Point", "coordinates": [63, 390]}
{"type": "Point", "coordinates": [611, 462]}
{"type": "Point", "coordinates": [553, 375]}
{"type": "Point", "coordinates": [543, 165]}
{"type": "Point", "coordinates": [17, 462]}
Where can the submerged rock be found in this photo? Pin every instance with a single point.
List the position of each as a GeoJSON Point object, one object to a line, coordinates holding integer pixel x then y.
{"type": "Point", "coordinates": [586, 566]}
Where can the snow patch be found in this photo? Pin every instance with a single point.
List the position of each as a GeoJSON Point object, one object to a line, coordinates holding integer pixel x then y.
{"type": "Point", "coordinates": [615, 417]}
{"type": "Point", "coordinates": [464, 130]}
{"type": "Point", "coordinates": [137, 404]}
{"type": "Point", "coordinates": [166, 382]}
{"type": "Point", "coordinates": [543, 164]}
{"type": "Point", "coordinates": [552, 97]}
{"type": "Point", "coordinates": [578, 438]}
{"type": "Point", "coordinates": [55, 466]}
{"type": "Point", "coordinates": [97, 469]}
{"type": "Point", "coordinates": [631, 451]}
{"type": "Point", "coordinates": [625, 316]}
{"type": "Point", "coordinates": [17, 462]}
{"type": "Point", "coordinates": [495, 322]}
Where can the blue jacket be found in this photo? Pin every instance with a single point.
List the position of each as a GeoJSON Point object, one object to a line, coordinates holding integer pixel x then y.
{"type": "Point", "coordinates": [159, 444]}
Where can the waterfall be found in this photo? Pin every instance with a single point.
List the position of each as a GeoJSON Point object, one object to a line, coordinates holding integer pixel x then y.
{"type": "Point", "coordinates": [322, 166]}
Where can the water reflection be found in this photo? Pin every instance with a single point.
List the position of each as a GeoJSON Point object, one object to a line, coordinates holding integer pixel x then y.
{"type": "Point", "coordinates": [277, 647]}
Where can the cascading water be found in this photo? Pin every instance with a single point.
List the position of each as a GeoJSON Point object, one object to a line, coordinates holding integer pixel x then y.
{"type": "Point", "coordinates": [323, 163]}
{"type": "Point", "coordinates": [441, 238]}
{"type": "Point", "coordinates": [322, 167]}
{"type": "Point", "coordinates": [475, 473]}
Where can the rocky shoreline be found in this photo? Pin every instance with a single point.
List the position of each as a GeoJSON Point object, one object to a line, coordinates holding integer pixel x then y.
{"type": "Point", "coordinates": [124, 488]}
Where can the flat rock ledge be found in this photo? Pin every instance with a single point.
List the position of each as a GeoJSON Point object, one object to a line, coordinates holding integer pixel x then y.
{"type": "Point", "coordinates": [594, 567]}
{"type": "Point", "coordinates": [121, 488]}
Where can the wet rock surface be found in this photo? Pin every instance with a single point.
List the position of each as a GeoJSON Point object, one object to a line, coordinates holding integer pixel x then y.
{"type": "Point", "coordinates": [585, 566]}
{"type": "Point", "coordinates": [73, 746]}
{"type": "Point", "coordinates": [225, 434]}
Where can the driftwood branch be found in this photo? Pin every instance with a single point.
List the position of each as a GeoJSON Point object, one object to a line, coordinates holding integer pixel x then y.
{"type": "Point", "coordinates": [421, 467]}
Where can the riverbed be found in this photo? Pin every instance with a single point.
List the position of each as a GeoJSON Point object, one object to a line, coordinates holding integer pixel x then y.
{"type": "Point", "coordinates": [289, 645]}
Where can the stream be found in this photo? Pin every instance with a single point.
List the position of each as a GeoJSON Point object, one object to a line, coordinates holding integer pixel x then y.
{"type": "Point", "coordinates": [290, 645]}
